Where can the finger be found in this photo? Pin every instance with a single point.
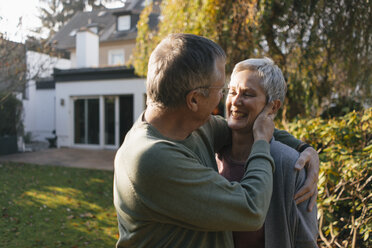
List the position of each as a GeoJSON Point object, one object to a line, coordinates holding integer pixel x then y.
{"type": "Point", "coordinates": [312, 202]}
{"type": "Point", "coordinates": [300, 163]}
{"type": "Point", "coordinates": [303, 197]}
{"type": "Point", "coordinates": [272, 116]}
{"type": "Point", "coordinates": [268, 109]}
{"type": "Point", "coordinates": [302, 160]}
{"type": "Point", "coordinates": [308, 189]}
{"type": "Point", "coordinates": [303, 194]}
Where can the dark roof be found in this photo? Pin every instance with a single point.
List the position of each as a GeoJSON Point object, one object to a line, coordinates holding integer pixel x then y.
{"type": "Point", "coordinates": [89, 74]}
{"type": "Point", "coordinates": [105, 20]}
{"type": "Point", "coordinates": [45, 83]}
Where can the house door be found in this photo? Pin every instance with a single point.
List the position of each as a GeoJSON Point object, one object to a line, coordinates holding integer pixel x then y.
{"type": "Point", "coordinates": [86, 121]}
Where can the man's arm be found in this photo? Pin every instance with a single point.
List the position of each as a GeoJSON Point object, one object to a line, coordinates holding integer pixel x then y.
{"type": "Point", "coordinates": [308, 158]}
{"type": "Point", "coordinates": [286, 138]}
{"type": "Point", "coordinates": [189, 194]}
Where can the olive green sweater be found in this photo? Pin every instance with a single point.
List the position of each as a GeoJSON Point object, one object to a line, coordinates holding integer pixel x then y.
{"type": "Point", "coordinates": [168, 193]}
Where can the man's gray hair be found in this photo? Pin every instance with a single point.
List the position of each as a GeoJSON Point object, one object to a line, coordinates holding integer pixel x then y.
{"type": "Point", "coordinates": [179, 64]}
{"type": "Point", "coordinates": [272, 81]}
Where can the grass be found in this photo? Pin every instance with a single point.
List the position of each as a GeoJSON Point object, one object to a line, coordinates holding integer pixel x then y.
{"type": "Point", "coordinates": [49, 206]}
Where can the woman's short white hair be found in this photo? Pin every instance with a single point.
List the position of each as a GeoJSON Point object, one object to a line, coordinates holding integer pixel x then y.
{"type": "Point", "coordinates": [272, 81]}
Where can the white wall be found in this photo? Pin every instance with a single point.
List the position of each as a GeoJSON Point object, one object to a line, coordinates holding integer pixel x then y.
{"type": "Point", "coordinates": [39, 112]}
{"type": "Point", "coordinates": [39, 105]}
{"type": "Point", "coordinates": [66, 91]}
{"type": "Point", "coordinates": [41, 65]}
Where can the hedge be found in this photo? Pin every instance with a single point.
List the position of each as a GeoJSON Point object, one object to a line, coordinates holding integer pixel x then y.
{"type": "Point", "coordinates": [345, 150]}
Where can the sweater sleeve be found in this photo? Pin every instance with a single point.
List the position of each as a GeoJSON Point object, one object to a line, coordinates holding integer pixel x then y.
{"type": "Point", "coordinates": [173, 187]}
{"type": "Point", "coordinates": [307, 226]}
{"type": "Point", "coordinates": [286, 138]}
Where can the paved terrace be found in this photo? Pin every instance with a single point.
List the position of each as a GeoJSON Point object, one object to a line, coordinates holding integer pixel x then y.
{"type": "Point", "coordinates": [69, 157]}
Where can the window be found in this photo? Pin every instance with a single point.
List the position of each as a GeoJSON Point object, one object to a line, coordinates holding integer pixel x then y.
{"type": "Point", "coordinates": [73, 32]}
{"type": "Point", "coordinates": [146, 3]}
{"type": "Point", "coordinates": [123, 23]}
{"type": "Point", "coordinates": [94, 29]}
{"type": "Point", "coordinates": [116, 57]}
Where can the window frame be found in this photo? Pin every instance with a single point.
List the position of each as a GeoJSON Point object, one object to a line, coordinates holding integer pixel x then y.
{"type": "Point", "coordinates": [113, 52]}
{"type": "Point", "coordinates": [124, 23]}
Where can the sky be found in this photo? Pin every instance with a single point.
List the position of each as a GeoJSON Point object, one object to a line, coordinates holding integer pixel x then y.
{"type": "Point", "coordinates": [12, 10]}
{"type": "Point", "coordinates": [10, 13]}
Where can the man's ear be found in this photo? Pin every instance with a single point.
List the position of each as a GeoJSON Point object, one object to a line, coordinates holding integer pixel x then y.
{"type": "Point", "coordinates": [192, 100]}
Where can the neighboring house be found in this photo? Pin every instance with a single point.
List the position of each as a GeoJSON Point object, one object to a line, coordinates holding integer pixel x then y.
{"type": "Point", "coordinates": [96, 100]}
{"type": "Point", "coordinates": [116, 30]}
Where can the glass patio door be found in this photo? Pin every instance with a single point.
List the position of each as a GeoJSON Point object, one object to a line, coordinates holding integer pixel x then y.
{"type": "Point", "coordinates": [86, 121]}
{"type": "Point", "coordinates": [103, 120]}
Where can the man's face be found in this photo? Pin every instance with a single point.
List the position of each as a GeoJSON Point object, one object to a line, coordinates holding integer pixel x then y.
{"type": "Point", "coordinates": [215, 92]}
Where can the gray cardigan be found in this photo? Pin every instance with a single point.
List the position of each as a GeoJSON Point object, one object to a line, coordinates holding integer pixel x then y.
{"type": "Point", "coordinates": [288, 224]}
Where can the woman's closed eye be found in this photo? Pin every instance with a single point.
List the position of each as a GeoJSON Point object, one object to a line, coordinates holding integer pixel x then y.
{"type": "Point", "coordinates": [247, 94]}
{"type": "Point", "coordinates": [244, 94]}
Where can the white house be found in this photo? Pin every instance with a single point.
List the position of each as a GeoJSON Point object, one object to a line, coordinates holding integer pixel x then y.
{"type": "Point", "coordinates": [96, 107]}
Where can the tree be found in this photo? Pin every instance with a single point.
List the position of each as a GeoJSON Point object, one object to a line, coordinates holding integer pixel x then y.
{"type": "Point", "coordinates": [144, 42]}
{"type": "Point", "coordinates": [322, 47]}
{"type": "Point", "coordinates": [14, 72]}
{"type": "Point", "coordinates": [12, 79]}
{"type": "Point", "coordinates": [14, 75]}
{"type": "Point", "coordinates": [12, 67]}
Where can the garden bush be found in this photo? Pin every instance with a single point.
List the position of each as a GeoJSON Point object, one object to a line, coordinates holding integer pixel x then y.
{"type": "Point", "coordinates": [345, 150]}
{"type": "Point", "coordinates": [11, 116]}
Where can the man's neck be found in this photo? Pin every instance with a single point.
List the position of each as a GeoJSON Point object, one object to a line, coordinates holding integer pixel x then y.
{"type": "Point", "coordinates": [173, 123]}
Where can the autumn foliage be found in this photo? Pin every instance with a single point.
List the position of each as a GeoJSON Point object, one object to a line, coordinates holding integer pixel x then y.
{"type": "Point", "coordinates": [345, 181]}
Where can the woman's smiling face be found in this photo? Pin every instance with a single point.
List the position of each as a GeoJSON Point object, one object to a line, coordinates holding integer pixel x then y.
{"type": "Point", "coordinates": [245, 100]}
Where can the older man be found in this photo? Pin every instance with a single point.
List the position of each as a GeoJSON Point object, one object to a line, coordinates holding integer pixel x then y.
{"type": "Point", "coordinates": [167, 191]}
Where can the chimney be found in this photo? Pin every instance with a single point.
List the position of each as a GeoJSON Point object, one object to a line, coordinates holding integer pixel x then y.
{"type": "Point", "coordinates": [87, 48]}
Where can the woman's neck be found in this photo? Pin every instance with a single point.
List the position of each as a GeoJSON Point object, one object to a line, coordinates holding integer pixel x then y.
{"type": "Point", "coordinates": [241, 145]}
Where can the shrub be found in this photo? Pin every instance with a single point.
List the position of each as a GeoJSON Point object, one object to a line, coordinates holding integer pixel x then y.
{"type": "Point", "coordinates": [11, 116]}
{"type": "Point", "coordinates": [345, 151]}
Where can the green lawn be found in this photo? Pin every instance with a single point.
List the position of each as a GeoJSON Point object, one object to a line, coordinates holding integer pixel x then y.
{"type": "Point", "coordinates": [49, 206]}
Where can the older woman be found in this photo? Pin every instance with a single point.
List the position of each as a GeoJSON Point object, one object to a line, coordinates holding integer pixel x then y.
{"type": "Point", "coordinates": [255, 83]}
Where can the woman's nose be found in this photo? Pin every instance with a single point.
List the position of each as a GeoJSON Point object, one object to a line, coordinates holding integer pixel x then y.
{"type": "Point", "coordinates": [236, 99]}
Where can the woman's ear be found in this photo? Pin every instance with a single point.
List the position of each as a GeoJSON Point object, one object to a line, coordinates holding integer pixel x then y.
{"type": "Point", "coordinates": [276, 106]}
{"type": "Point", "coordinates": [192, 100]}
